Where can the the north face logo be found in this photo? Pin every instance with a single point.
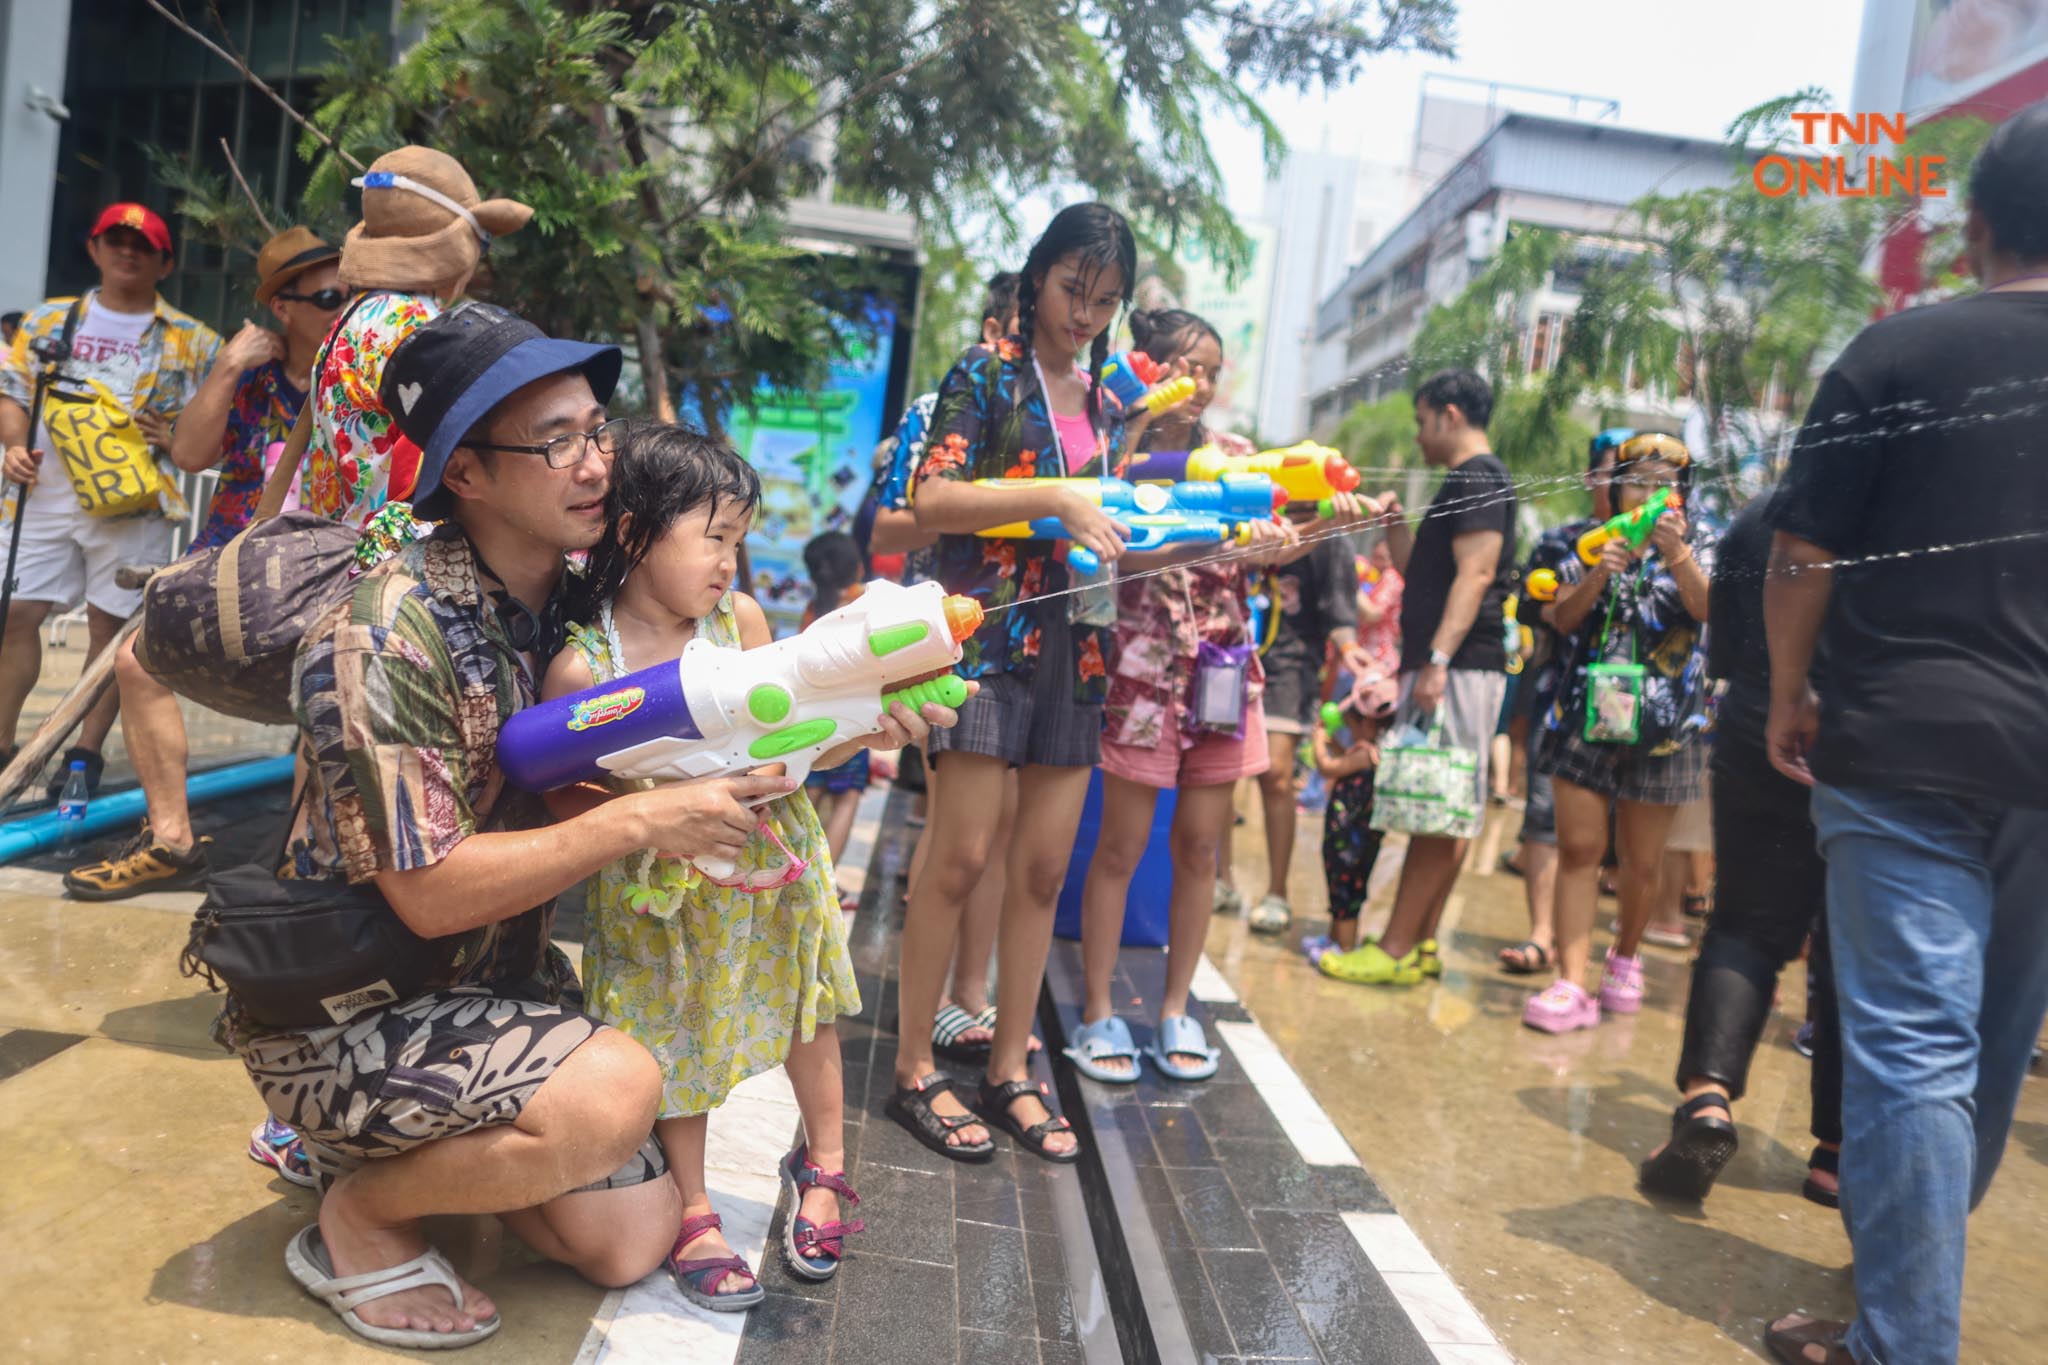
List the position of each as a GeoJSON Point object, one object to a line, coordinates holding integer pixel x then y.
{"type": "Point", "coordinates": [346, 1006]}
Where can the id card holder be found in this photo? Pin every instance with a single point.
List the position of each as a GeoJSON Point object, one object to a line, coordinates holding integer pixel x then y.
{"type": "Point", "coordinates": [1221, 686]}
{"type": "Point", "coordinates": [1093, 602]}
{"type": "Point", "coordinates": [1614, 703]}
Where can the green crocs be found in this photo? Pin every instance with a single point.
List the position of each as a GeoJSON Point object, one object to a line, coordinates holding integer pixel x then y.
{"type": "Point", "coordinates": [1432, 961]}
{"type": "Point", "coordinates": [1371, 965]}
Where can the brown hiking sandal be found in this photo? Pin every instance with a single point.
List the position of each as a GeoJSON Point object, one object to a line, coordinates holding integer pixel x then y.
{"type": "Point", "coordinates": [141, 865]}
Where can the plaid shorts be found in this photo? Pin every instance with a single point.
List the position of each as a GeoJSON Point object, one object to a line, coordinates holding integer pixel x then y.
{"type": "Point", "coordinates": [1623, 772]}
{"type": "Point", "coordinates": [447, 1063]}
{"type": "Point", "coordinates": [1032, 721]}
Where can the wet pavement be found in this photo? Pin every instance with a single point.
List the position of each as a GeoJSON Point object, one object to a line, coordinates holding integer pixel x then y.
{"type": "Point", "coordinates": [1483, 1174]}
{"type": "Point", "coordinates": [1512, 1154]}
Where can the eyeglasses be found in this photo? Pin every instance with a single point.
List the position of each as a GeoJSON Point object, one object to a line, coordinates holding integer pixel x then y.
{"type": "Point", "coordinates": [326, 300]}
{"type": "Point", "coordinates": [566, 450]}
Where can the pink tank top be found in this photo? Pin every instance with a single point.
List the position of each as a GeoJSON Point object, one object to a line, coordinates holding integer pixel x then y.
{"type": "Point", "coordinates": [1077, 440]}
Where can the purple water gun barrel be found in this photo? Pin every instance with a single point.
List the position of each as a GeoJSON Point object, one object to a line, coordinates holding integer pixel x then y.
{"type": "Point", "coordinates": [559, 742]}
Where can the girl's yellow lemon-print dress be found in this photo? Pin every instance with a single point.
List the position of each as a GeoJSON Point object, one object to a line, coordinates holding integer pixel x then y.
{"type": "Point", "coordinates": [714, 981]}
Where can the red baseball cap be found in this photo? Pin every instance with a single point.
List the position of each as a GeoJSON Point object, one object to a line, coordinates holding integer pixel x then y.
{"type": "Point", "coordinates": [137, 217]}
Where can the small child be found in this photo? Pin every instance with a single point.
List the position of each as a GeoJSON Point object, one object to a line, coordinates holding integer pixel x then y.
{"type": "Point", "coordinates": [834, 562]}
{"type": "Point", "coordinates": [1348, 761]}
{"type": "Point", "coordinates": [718, 982]}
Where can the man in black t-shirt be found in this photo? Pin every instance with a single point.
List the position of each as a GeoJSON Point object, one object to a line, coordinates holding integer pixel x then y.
{"type": "Point", "coordinates": [1458, 565]}
{"type": "Point", "coordinates": [1912, 541]}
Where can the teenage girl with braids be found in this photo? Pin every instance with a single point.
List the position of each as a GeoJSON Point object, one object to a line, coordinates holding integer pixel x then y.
{"type": "Point", "coordinates": [1172, 629]}
{"type": "Point", "coordinates": [1019, 409]}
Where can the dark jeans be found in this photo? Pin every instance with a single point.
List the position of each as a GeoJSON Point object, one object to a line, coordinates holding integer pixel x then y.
{"type": "Point", "coordinates": [1770, 892]}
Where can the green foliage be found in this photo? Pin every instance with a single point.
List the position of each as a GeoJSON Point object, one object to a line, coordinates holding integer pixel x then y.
{"type": "Point", "coordinates": [1728, 296]}
{"type": "Point", "coordinates": [660, 143]}
{"type": "Point", "coordinates": [1379, 435]}
{"type": "Point", "coordinates": [1482, 328]}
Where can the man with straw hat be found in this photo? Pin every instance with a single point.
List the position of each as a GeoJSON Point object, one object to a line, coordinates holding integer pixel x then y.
{"type": "Point", "coordinates": [247, 402]}
{"type": "Point", "coordinates": [423, 231]}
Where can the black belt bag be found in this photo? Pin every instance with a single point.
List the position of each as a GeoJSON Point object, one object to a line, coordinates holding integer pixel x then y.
{"type": "Point", "coordinates": [304, 954]}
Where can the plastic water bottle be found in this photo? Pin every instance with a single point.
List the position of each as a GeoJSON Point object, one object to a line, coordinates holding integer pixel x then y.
{"type": "Point", "coordinates": [71, 806]}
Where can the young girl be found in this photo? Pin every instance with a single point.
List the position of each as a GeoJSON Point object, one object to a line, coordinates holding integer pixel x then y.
{"type": "Point", "coordinates": [834, 562]}
{"type": "Point", "coordinates": [1348, 761]}
{"type": "Point", "coordinates": [1167, 626]}
{"type": "Point", "coordinates": [1642, 757]}
{"type": "Point", "coordinates": [718, 982]}
{"type": "Point", "coordinates": [1019, 409]}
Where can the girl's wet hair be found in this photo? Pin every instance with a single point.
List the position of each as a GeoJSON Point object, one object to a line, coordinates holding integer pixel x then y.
{"type": "Point", "coordinates": [1167, 334]}
{"type": "Point", "coordinates": [1101, 240]}
{"type": "Point", "coordinates": [662, 473]}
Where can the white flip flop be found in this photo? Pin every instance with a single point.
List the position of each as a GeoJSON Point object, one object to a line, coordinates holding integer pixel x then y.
{"type": "Point", "coordinates": [306, 1257]}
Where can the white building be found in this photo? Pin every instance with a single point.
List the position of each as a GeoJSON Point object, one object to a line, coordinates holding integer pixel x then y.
{"type": "Point", "coordinates": [1527, 169]}
{"type": "Point", "coordinates": [1325, 210]}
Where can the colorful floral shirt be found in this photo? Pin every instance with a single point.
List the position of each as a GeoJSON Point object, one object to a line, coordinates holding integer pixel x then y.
{"type": "Point", "coordinates": [1382, 638]}
{"type": "Point", "coordinates": [1650, 626]}
{"type": "Point", "coordinates": [400, 692]}
{"type": "Point", "coordinates": [358, 456]}
{"type": "Point", "coordinates": [1162, 622]}
{"type": "Point", "coordinates": [266, 404]}
{"type": "Point", "coordinates": [177, 351]}
{"type": "Point", "coordinates": [992, 422]}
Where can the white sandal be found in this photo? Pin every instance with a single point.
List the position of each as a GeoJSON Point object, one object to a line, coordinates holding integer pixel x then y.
{"type": "Point", "coordinates": [306, 1257]}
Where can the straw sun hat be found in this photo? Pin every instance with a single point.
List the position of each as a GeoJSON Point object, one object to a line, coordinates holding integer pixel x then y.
{"type": "Point", "coordinates": [423, 224]}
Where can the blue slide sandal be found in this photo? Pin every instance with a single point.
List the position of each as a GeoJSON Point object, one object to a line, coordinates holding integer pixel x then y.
{"type": "Point", "coordinates": [1179, 1034]}
{"type": "Point", "coordinates": [1106, 1037]}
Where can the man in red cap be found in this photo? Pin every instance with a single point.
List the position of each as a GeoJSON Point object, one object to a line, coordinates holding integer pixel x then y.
{"type": "Point", "coordinates": [133, 353]}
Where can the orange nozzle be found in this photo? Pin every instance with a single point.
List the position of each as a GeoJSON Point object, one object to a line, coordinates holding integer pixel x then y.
{"type": "Point", "coordinates": [963, 617]}
{"type": "Point", "coordinates": [1338, 473]}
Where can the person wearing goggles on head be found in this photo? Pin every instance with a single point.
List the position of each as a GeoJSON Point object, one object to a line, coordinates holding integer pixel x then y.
{"type": "Point", "coordinates": [424, 231]}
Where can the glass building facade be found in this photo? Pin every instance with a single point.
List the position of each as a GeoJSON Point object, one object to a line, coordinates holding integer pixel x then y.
{"type": "Point", "coordinates": [134, 81]}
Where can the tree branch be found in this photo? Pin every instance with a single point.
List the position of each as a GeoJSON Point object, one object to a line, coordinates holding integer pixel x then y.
{"type": "Point", "coordinates": [725, 187]}
{"type": "Point", "coordinates": [233, 59]}
{"type": "Point", "coordinates": [269, 229]}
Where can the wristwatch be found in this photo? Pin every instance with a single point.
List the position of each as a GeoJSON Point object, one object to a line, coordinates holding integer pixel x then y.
{"type": "Point", "coordinates": [1439, 659]}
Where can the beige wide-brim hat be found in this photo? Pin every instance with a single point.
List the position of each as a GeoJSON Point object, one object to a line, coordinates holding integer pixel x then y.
{"type": "Point", "coordinates": [408, 240]}
{"type": "Point", "coordinates": [287, 256]}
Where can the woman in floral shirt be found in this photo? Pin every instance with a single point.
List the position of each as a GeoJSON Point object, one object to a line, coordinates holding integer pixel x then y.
{"type": "Point", "coordinates": [1018, 409]}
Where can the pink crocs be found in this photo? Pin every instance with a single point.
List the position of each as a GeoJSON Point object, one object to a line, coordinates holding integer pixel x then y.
{"type": "Point", "coordinates": [1560, 1008]}
{"type": "Point", "coordinates": [1621, 984]}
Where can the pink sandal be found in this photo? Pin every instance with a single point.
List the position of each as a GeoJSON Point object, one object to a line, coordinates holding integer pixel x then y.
{"type": "Point", "coordinates": [814, 1249]}
{"type": "Point", "coordinates": [1561, 1007]}
{"type": "Point", "coordinates": [695, 1277]}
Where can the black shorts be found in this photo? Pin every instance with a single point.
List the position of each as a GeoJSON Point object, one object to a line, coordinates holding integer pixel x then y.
{"type": "Point", "coordinates": [1293, 692]}
{"type": "Point", "coordinates": [1030, 721]}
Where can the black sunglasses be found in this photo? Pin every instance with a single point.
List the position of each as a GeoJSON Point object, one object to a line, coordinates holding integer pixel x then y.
{"type": "Point", "coordinates": [326, 300]}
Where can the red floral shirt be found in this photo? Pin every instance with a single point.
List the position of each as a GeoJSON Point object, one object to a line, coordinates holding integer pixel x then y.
{"type": "Point", "coordinates": [1162, 621]}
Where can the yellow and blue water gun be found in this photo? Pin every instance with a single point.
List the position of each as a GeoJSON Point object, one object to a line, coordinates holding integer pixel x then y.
{"type": "Point", "coordinates": [1197, 511]}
